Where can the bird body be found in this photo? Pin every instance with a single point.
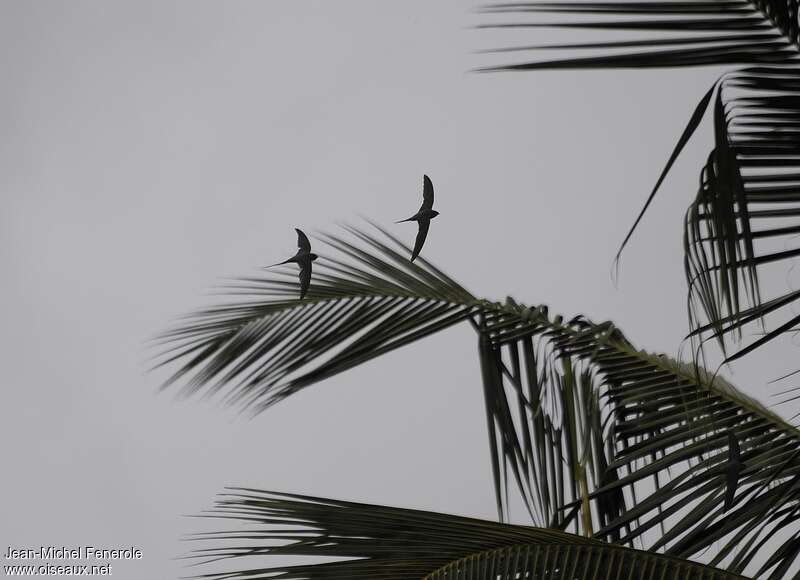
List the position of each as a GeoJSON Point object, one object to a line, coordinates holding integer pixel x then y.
{"type": "Point", "coordinates": [423, 217]}
{"type": "Point", "coordinates": [303, 258]}
{"type": "Point", "coordinates": [427, 214]}
{"type": "Point", "coordinates": [298, 258]}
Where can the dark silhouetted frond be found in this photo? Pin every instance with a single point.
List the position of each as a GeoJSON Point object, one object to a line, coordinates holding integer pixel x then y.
{"type": "Point", "coordinates": [605, 439]}
{"type": "Point", "coordinates": [746, 217]}
{"type": "Point", "coordinates": [599, 437]}
{"type": "Point", "coordinates": [377, 542]}
{"type": "Point", "coordinates": [662, 33]}
{"type": "Point", "coordinates": [360, 305]}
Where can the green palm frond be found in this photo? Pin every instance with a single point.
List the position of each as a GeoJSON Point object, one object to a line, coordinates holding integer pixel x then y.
{"type": "Point", "coordinates": [358, 307]}
{"type": "Point", "coordinates": [670, 33]}
{"type": "Point", "coordinates": [602, 438]}
{"type": "Point", "coordinates": [599, 437]}
{"type": "Point", "coordinates": [746, 217]}
{"type": "Point", "coordinates": [372, 541]}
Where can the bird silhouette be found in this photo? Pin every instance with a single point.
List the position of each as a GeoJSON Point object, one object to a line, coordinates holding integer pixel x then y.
{"type": "Point", "coordinates": [732, 470]}
{"type": "Point", "coordinates": [424, 216]}
{"type": "Point", "coordinates": [303, 258]}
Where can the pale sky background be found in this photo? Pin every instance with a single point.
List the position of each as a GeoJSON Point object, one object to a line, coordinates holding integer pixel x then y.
{"type": "Point", "coordinates": [149, 149]}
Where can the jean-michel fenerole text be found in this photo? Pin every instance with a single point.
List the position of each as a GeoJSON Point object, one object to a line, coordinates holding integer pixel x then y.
{"type": "Point", "coordinates": [74, 553]}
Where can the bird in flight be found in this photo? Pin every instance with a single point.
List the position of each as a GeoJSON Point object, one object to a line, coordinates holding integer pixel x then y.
{"type": "Point", "coordinates": [302, 258]}
{"type": "Point", "coordinates": [424, 216]}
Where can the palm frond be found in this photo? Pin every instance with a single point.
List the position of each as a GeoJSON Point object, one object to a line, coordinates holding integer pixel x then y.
{"type": "Point", "coordinates": [676, 33]}
{"type": "Point", "coordinates": [745, 217]}
{"type": "Point", "coordinates": [372, 541]}
{"type": "Point", "coordinates": [605, 439]}
{"type": "Point", "coordinates": [599, 437]}
{"type": "Point", "coordinates": [360, 305]}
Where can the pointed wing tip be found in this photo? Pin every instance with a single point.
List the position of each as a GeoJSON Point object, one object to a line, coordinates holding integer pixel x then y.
{"type": "Point", "coordinates": [303, 242]}
{"type": "Point", "coordinates": [427, 193]}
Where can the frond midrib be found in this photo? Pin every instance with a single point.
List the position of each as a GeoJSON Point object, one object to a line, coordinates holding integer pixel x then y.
{"type": "Point", "coordinates": [580, 542]}
{"type": "Point", "coordinates": [718, 386]}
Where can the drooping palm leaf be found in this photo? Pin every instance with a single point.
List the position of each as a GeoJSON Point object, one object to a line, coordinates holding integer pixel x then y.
{"type": "Point", "coordinates": [668, 33]}
{"type": "Point", "coordinates": [746, 217]}
{"type": "Point", "coordinates": [372, 541]}
{"type": "Point", "coordinates": [359, 306]}
{"type": "Point", "coordinates": [598, 436]}
{"type": "Point", "coordinates": [546, 422]}
{"type": "Point", "coordinates": [603, 438]}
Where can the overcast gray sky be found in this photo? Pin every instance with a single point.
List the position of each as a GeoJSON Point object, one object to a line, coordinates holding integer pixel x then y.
{"type": "Point", "coordinates": [148, 149]}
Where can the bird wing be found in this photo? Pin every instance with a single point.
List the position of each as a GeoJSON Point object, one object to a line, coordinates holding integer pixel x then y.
{"type": "Point", "coordinates": [421, 235]}
{"type": "Point", "coordinates": [305, 279]}
{"type": "Point", "coordinates": [302, 241]}
{"type": "Point", "coordinates": [427, 193]}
